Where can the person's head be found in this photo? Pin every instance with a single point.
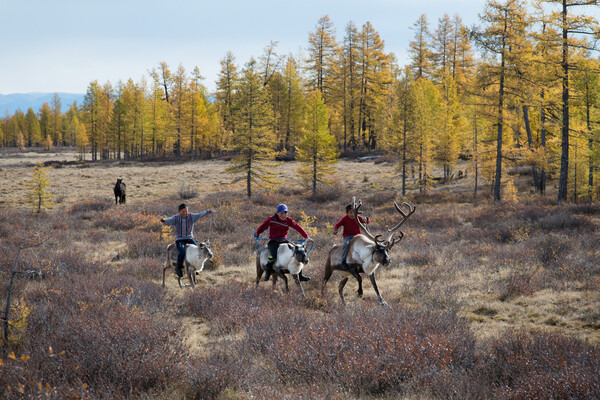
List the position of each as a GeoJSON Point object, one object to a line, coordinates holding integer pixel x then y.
{"type": "Point", "coordinates": [183, 210]}
{"type": "Point", "coordinates": [350, 211]}
{"type": "Point", "coordinates": [282, 211]}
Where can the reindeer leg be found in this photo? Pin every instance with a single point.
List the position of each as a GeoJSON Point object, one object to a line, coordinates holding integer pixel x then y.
{"type": "Point", "coordinates": [297, 280]}
{"type": "Point", "coordinates": [191, 275]}
{"type": "Point", "coordinates": [259, 273]}
{"type": "Point", "coordinates": [381, 300]}
{"type": "Point", "coordinates": [165, 268]}
{"type": "Point", "coordinates": [354, 272]}
{"type": "Point", "coordinates": [285, 280]}
{"type": "Point", "coordinates": [326, 276]}
{"type": "Point", "coordinates": [341, 289]}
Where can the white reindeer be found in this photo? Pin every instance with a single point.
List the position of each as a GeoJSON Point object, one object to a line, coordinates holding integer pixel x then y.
{"type": "Point", "coordinates": [195, 257]}
{"type": "Point", "coordinates": [365, 254]}
{"type": "Point", "coordinates": [291, 259]}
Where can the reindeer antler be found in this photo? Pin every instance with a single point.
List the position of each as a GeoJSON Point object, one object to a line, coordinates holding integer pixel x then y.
{"type": "Point", "coordinates": [366, 231]}
{"type": "Point", "coordinates": [405, 216]}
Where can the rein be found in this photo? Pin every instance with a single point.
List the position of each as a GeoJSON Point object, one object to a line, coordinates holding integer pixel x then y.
{"type": "Point", "coordinates": [258, 238]}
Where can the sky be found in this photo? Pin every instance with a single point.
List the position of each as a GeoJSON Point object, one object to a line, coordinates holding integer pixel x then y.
{"type": "Point", "coordinates": [63, 45]}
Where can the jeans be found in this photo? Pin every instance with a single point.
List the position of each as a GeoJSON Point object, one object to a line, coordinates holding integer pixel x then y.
{"type": "Point", "coordinates": [181, 250]}
{"type": "Point", "coordinates": [346, 246]}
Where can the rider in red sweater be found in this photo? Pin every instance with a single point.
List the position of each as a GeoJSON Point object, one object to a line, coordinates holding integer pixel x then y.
{"type": "Point", "coordinates": [278, 225]}
{"type": "Point", "coordinates": [351, 229]}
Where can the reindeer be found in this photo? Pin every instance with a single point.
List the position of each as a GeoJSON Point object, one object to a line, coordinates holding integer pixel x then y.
{"type": "Point", "coordinates": [291, 259]}
{"type": "Point", "coordinates": [120, 190]}
{"type": "Point", "coordinates": [195, 257]}
{"type": "Point", "coordinates": [365, 254]}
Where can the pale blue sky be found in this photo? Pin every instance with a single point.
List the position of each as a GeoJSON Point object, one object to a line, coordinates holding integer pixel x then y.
{"type": "Point", "coordinates": [63, 45]}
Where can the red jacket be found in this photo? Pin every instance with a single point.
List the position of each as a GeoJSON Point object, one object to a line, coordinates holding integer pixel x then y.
{"type": "Point", "coordinates": [278, 229]}
{"type": "Point", "coordinates": [351, 227]}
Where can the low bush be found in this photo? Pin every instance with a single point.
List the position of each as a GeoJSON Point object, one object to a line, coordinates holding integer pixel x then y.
{"type": "Point", "coordinates": [145, 244]}
{"type": "Point", "coordinates": [90, 205]}
{"type": "Point", "coordinates": [543, 366]}
{"type": "Point", "coordinates": [123, 219]}
{"type": "Point", "coordinates": [106, 341]}
{"type": "Point", "coordinates": [368, 351]}
{"type": "Point", "coordinates": [561, 220]}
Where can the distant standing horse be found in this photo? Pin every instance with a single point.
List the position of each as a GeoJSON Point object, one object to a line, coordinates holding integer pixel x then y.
{"type": "Point", "coordinates": [120, 191]}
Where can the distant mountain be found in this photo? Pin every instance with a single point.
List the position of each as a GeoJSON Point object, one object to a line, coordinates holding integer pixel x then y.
{"type": "Point", "coordinates": [22, 101]}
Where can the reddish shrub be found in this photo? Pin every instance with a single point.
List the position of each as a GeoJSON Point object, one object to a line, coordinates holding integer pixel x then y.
{"type": "Point", "coordinates": [369, 351]}
{"type": "Point", "coordinates": [114, 348]}
{"type": "Point", "coordinates": [544, 365]}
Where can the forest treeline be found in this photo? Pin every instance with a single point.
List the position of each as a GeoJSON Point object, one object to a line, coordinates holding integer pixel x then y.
{"type": "Point", "coordinates": [521, 88]}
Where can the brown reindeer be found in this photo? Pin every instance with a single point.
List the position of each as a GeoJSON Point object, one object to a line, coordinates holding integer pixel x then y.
{"type": "Point", "coordinates": [120, 190]}
{"type": "Point", "coordinates": [365, 254]}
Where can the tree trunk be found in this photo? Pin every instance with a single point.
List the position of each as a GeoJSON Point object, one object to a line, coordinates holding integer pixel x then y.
{"type": "Point", "coordinates": [536, 176]}
{"type": "Point", "coordinates": [564, 158]}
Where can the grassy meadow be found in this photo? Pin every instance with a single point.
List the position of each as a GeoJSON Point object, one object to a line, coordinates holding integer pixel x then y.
{"type": "Point", "coordinates": [485, 301]}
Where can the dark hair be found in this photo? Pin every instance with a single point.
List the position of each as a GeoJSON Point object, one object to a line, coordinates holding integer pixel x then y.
{"type": "Point", "coordinates": [348, 208]}
{"type": "Point", "coordinates": [182, 206]}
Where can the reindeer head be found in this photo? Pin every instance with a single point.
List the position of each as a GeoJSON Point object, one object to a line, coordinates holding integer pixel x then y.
{"type": "Point", "coordinates": [204, 250]}
{"type": "Point", "coordinates": [300, 254]}
{"type": "Point", "coordinates": [380, 255]}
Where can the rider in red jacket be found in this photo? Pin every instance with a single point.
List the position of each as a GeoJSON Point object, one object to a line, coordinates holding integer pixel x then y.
{"type": "Point", "coordinates": [278, 225]}
{"type": "Point", "coordinates": [351, 229]}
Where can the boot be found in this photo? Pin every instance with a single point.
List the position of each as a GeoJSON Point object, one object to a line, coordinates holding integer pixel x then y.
{"type": "Point", "coordinates": [303, 278]}
{"type": "Point", "coordinates": [345, 266]}
{"type": "Point", "coordinates": [268, 270]}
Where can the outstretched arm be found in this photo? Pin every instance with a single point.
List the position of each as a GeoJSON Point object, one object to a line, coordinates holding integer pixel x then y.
{"type": "Point", "coordinates": [197, 216]}
{"type": "Point", "coordinates": [169, 221]}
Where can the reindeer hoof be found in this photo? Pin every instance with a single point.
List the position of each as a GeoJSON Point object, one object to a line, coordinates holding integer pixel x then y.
{"type": "Point", "coordinates": [383, 303]}
{"type": "Point", "coordinates": [359, 295]}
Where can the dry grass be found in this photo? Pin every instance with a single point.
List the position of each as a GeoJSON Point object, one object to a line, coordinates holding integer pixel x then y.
{"type": "Point", "coordinates": [148, 181]}
{"type": "Point", "coordinates": [464, 266]}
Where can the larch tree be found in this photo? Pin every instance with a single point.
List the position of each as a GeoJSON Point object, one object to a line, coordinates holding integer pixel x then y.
{"type": "Point", "coordinates": [349, 83]}
{"type": "Point", "coordinates": [39, 197]}
{"type": "Point", "coordinates": [426, 121]}
{"type": "Point", "coordinates": [322, 47]}
{"type": "Point", "coordinates": [225, 96]}
{"type": "Point", "coordinates": [375, 79]}
{"type": "Point", "coordinates": [254, 140]}
{"type": "Point", "coordinates": [572, 28]}
{"type": "Point", "coordinates": [45, 130]}
{"type": "Point", "coordinates": [292, 104]}
{"type": "Point", "coordinates": [316, 150]}
{"type": "Point", "coordinates": [402, 122]}
{"type": "Point", "coordinates": [34, 134]}
{"type": "Point", "coordinates": [442, 44]}
{"type": "Point", "coordinates": [450, 140]}
{"type": "Point", "coordinates": [504, 29]}
{"type": "Point", "coordinates": [180, 102]}
{"type": "Point", "coordinates": [56, 120]}
{"type": "Point", "coordinates": [159, 118]}
{"type": "Point", "coordinates": [91, 105]}
{"type": "Point", "coordinates": [420, 51]}
{"type": "Point", "coordinates": [587, 103]}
